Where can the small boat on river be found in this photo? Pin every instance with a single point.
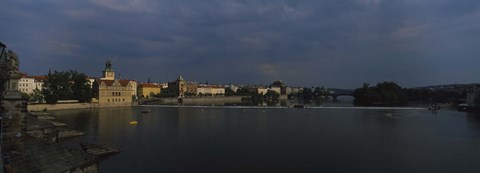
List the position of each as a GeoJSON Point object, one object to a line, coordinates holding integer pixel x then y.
{"type": "Point", "coordinates": [434, 107]}
{"type": "Point", "coordinates": [146, 111]}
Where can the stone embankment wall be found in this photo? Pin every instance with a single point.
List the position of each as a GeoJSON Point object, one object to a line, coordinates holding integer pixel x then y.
{"type": "Point", "coordinates": [64, 106]}
{"type": "Point", "coordinates": [200, 100]}
{"type": "Point", "coordinates": [167, 101]}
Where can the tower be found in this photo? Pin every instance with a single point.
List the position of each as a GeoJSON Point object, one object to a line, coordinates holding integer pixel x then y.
{"type": "Point", "coordinates": [13, 107]}
{"type": "Point", "coordinates": [108, 73]}
{"type": "Point", "coordinates": [182, 87]}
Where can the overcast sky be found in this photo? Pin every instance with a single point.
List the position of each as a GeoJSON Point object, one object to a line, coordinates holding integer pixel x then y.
{"type": "Point", "coordinates": [336, 43]}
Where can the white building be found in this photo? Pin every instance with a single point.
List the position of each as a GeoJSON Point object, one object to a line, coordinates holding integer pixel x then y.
{"type": "Point", "coordinates": [28, 84]}
{"type": "Point", "coordinates": [210, 89]}
{"type": "Point", "coordinates": [261, 90]}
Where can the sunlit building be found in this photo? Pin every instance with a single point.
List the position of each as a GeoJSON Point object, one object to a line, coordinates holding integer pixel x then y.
{"type": "Point", "coordinates": [210, 90]}
{"type": "Point", "coordinates": [27, 84]}
{"type": "Point", "coordinates": [114, 91]}
{"type": "Point", "coordinates": [145, 90]}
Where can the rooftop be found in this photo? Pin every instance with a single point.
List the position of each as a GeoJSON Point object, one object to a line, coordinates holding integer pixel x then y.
{"type": "Point", "coordinates": [110, 82]}
{"type": "Point", "coordinates": [149, 85]}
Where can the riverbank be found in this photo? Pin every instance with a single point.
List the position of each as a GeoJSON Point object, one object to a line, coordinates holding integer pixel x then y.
{"type": "Point", "coordinates": [65, 106]}
{"type": "Point", "coordinates": [195, 100]}
{"type": "Point", "coordinates": [160, 101]}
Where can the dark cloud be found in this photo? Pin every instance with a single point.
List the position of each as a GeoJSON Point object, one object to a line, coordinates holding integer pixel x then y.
{"type": "Point", "coordinates": [305, 43]}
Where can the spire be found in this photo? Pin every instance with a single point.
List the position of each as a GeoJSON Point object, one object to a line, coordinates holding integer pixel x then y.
{"type": "Point", "coordinates": [108, 64]}
{"type": "Point", "coordinates": [180, 78]}
{"type": "Point", "coordinates": [148, 80]}
{"type": "Point", "coordinates": [108, 73]}
{"type": "Point", "coordinates": [2, 46]}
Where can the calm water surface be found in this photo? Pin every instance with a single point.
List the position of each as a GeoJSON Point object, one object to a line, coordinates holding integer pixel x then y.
{"type": "Point", "coordinates": [182, 139]}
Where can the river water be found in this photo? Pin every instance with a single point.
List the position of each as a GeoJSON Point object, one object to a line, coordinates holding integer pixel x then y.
{"type": "Point", "coordinates": [248, 139]}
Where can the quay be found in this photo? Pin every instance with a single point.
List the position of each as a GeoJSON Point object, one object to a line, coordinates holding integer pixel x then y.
{"type": "Point", "coordinates": [98, 150]}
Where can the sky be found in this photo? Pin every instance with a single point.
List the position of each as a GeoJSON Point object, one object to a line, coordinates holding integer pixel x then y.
{"type": "Point", "coordinates": [334, 43]}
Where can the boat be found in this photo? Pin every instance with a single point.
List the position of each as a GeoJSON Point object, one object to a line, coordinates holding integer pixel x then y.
{"type": "Point", "coordinates": [146, 111]}
{"type": "Point", "coordinates": [434, 107]}
{"type": "Point", "coordinates": [133, 122]}
{"type": "Point", "coordinates": [463, 107]}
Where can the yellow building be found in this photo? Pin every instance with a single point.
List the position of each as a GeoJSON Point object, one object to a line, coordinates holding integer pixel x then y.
{"type": "Point", "coordinates": [114, 91]}
{"type": "Point", "coordinates": [146, 89]}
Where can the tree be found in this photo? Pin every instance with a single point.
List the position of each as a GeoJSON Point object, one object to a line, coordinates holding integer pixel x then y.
{"type": "Point", "coordinates": [319, 92]}
{"type": "Point", "coordinates": [244, 92]}
{"type": "Point", "coordinates": [229, 92]}
{"type": "Point", "coordinates": [66, 86]}
{"type": "Point", "coordinates": [56, 87]}
{"type": "Point", "coordinates": [307, 94]}
{"type": "Point", "coordinates": [385, 93]}
{"type": "Point", "coordinates": [36, 96]}
{"type": "Point", "coordinates": [271, 95]}
{"type": "Point", "coordinates": [81, 89]}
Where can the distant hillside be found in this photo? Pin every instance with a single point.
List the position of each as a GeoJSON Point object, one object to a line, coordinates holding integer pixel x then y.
{"type": "Point", "coordinates": [449, 86]}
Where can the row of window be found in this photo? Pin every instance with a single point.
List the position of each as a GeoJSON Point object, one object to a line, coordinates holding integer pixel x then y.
{"type": "Point", "coordinates": [116, 100]}
{"type": "Point", "coordinates": [26, 84]}
{"type": "Point", "coordinates": [24, 80]}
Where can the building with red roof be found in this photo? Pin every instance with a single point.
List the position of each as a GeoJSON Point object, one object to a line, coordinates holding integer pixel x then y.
{"type": "Point", "coordinates": [145, 90]}
{"type": "Point", "coordinates": [115, 91]}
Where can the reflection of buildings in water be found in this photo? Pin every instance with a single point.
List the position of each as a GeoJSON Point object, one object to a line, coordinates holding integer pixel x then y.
{"type": "Point", "coordinates": [473, 122]}
{"type": "Point", "coordinates": [191, 120]}
{"type": "Point", "coordinates": [114, 122]}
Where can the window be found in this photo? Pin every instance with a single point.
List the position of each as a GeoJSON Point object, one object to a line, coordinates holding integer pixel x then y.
{"type": "Point", "coordinates": [108, 100]}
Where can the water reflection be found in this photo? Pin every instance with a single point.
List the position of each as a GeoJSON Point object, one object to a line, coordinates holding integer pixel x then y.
{"type": "Point", "coordinates": [186, 139]}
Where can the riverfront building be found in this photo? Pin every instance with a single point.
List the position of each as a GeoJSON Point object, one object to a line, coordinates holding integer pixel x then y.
{"type": "Point", "coordinates": [262, 90]}
{"type": "Point", "coordinates": [178, 87]}
{"type": "Point", "coordinates": [210, 90]}
{"type": "Point", "coordinates": [114, 91]}
{"type": "Point", "coordinates": [27, 84]}
{"type": "Point", "coordinates": [147, 89]}
{"type": "Point", "coordinates": [473, 98]}
{"type": "Point", "coordinates": [191, 88]}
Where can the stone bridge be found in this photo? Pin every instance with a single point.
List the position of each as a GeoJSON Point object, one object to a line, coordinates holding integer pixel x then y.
{"type": "Point", "coordinates": [335, 93]}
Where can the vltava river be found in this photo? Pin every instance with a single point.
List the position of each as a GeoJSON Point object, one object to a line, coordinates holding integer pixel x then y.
{"type": "Point", "coordinates": [215, 139]}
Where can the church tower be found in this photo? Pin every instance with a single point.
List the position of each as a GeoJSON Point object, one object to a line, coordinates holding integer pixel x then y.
{"type": "Point", "coordinates": [108, 73]}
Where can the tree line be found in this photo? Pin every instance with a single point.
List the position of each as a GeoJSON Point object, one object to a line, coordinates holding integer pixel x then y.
{"type": "Point", "coordinates": [383, 94]}
{"type": "Point", "coordinates": [391, 94]}
{"type": "Point", "coordinates": [63, 85]}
